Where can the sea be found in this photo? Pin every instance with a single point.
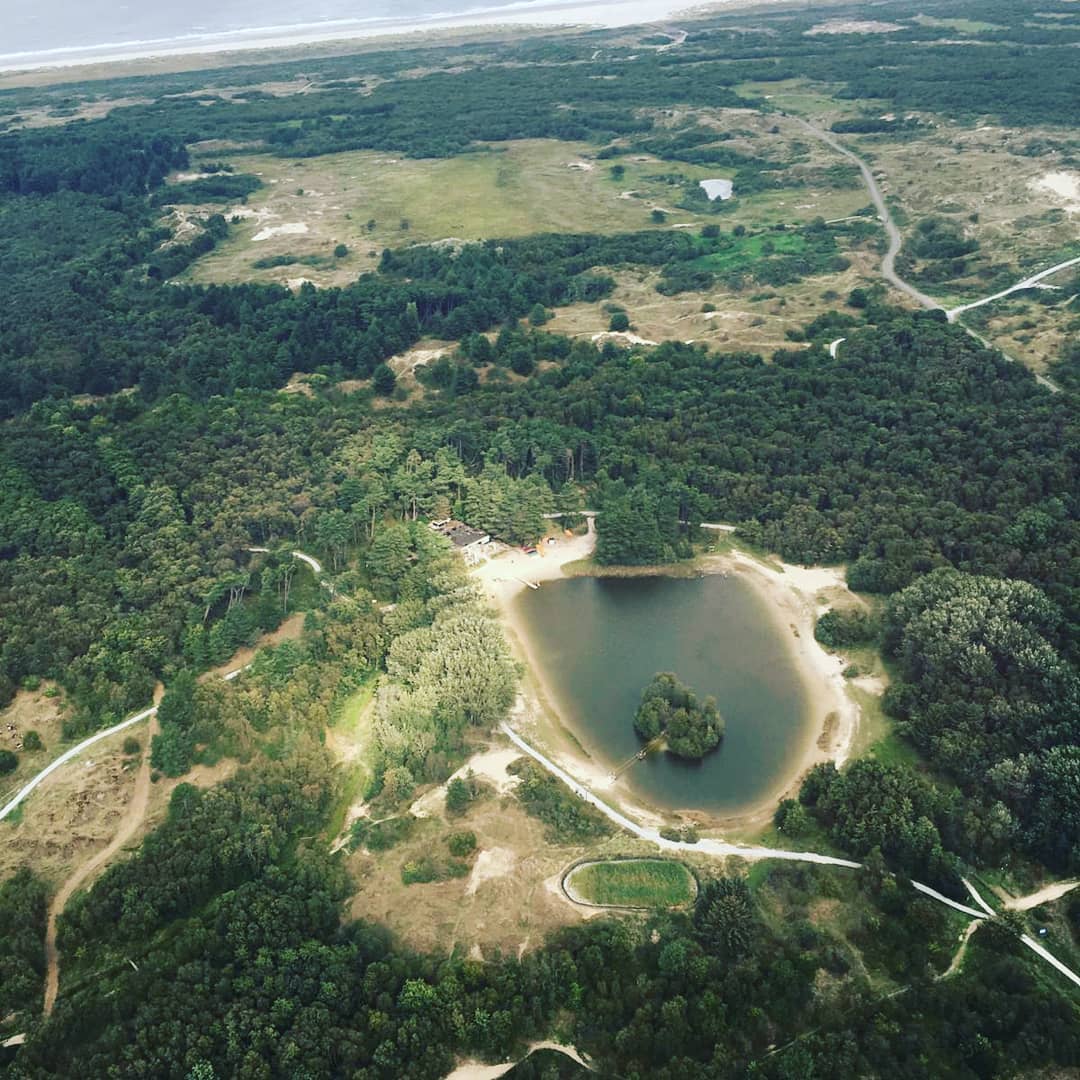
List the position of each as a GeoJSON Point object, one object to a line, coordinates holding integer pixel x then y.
{"type": "Point", "coordinates": [59, 32]}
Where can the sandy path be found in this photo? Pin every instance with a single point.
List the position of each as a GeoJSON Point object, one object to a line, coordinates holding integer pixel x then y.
{"type": "Point", "coordinates": [1047, 894]}
{"type": "Point", "coordinates": [721, 848]}
{"type": "Point", "coordinates": [708, 846]}
{"type": "Point", "coordinates": [1027, 283]}
{"type": "Point", "coordinates": [958, 959]}
{"type": "Point", "coordinates": [130, 823]}
{"type": "Point", "coordinates": [472, 1070]}
{"type": "Point", "coordinates": [888, 262]}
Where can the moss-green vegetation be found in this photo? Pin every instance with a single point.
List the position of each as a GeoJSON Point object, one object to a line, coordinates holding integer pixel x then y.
{"type": "Point", "coordinates": [568, 818]}
{"type": "Point", "coordinates": [639, 883]}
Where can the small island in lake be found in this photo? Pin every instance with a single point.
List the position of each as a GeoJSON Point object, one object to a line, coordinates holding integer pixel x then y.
{"type": "Point", "coordinates": [691, 728]}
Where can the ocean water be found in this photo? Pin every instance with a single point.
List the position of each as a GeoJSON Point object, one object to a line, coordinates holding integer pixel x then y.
{"type": "Point", "coordinates": [52, 27]}
{"type": "Point", "coordinates": [48, 32]}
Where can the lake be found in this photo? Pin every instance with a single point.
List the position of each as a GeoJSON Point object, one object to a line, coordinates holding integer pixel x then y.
{"type": "Point", "coordinates": [598, 642]}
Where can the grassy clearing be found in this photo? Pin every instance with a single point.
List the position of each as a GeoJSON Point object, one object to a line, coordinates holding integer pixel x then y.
{"type": "Point", "coordinates": [748, 248]}
{"type": "Point", "coordinates": [1035, 333]}
{"type": "Point", "coordinates": [805, 98]}
{"type": "Point", "coordinates": [370, 201]}
{"type": "Point", "coordinates": [644, 883]}
{"type": "Point", "coordinates": [350, 739]}
{"type": "Point", "coordinates": [513, 903]}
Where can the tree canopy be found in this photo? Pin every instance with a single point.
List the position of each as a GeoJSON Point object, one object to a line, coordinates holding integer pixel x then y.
{"type": "Point", "coordinates": [691, 728]}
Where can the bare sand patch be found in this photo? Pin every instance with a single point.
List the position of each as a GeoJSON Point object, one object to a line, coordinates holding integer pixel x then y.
{"type": "Point", "coordinates": [792, 593]}
{"type": "Point", "coordinates": [488, 765]}
{"type": "Point", "coordinates": [622, 335]}
{"type": "Point", "coordinates": [491, 765]}
{"type": "Point", "coordinates": [853, 26]}
{"type": "Point", "coordinates": [490, 864]}
{"type": "Point", "coordinates": [426, 352]}
{"type": "Point", "coordinates": [1064, 185]}
{"type": "Point", "coordinates": [474, 1070]}
{"type": "Point", "coordinates": [289, 228]}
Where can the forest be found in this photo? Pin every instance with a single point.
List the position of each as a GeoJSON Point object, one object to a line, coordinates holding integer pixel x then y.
{"type": "Point", "coordinates": [154, 483]}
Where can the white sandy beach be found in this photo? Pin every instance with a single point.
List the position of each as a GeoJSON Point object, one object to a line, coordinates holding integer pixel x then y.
{"type": "Point", "coordinates": [528, 13]}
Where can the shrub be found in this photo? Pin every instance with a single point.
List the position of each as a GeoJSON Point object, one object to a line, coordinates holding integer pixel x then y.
{"type": "Point", "coordinates": [132, 745]}
{"type": "Point", "coordinates": [569, 819]}
{"type": "Point", "coordinates": [8, 762]}
{"type": "Point", "coordinates": [380, 835]}
{"type": "Point", "coordinates": [32, 741]}
{"type": "Point", "coordinates": [462, 843]}
{"type": "Point", "coordinates": [839, 629]}
{"type": "Point", "coordinates": [420, 871]}
{"type": "Point", "coordinates": [384, 380]}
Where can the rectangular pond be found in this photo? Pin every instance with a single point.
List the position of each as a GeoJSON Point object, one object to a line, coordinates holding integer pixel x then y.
{"type": "Point", "coordinates": [598, 641]}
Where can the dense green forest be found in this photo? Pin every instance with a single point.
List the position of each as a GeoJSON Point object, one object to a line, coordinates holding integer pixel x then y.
{"type": "Point", "coordinates": [148, 452]}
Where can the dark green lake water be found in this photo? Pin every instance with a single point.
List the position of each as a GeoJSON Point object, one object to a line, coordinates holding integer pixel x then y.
{"type": "Point", "coordinates": [598, 641]}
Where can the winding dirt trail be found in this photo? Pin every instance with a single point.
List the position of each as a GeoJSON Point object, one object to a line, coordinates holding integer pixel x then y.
{"type": "Point", "coordinates": [1047, 894]}
{"type": "Point", "coordinates": [896, 240]}
{"type": "Point", "coordinates": [130, 823]}
{"type": "Point", "coordinates": [888, 261]}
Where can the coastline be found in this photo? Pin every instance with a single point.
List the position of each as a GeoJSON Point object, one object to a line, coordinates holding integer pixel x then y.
{"type": "Point", "coordinates": [789, 592]}
{"type": "Point", "coordinates": [513, 16]}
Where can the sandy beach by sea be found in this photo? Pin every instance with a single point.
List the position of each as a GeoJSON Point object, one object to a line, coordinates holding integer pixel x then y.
{"type": "Point", "coordinates": [793, 595]}
{"type": "Point", "coordinates": [193, 51]}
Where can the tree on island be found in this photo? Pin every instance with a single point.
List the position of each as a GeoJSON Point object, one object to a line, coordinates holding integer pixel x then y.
{"type": "Point", "coordinates": [669, 708]}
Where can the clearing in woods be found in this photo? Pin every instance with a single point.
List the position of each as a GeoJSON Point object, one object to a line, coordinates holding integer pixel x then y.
{"type": "Point", "coordinates": [369, 201]}
{"type": "Point", "coordinates": [635, 883]}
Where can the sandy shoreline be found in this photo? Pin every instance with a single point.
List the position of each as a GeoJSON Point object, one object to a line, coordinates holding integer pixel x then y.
{"type": "Point", "coordinates": [790, 593]}
{"type": "Point", "coordinates": [522, 15]}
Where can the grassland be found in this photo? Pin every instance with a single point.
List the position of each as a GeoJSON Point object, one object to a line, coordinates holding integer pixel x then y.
{"type": "Point", "coordinates": [636, 883]}
{"type": "Point", "coordinates": [1036, 333]}
{"type": "Point", "coordinates": [351, 738]}
{"type": "Point", "coordinates": [370, 201]}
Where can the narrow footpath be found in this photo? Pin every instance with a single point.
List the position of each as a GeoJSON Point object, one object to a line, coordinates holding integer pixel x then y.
{"type": "Point", "coordinates": [896, 240]}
